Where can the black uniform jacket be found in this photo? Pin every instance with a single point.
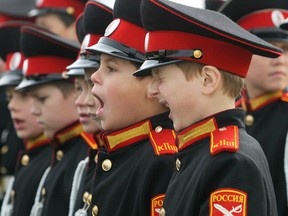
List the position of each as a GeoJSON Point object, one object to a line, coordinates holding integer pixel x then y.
{"type": "Point", "coordinates": [31, 165]}
{"type": "Point", "coordinates": [86, 180]}
{"type": "Point", "coordinates": [70, 148]}
{"type": "Point", "coordinates": [134, 170]}
{"type": "Point", "coordinates": [10, 146]}
{"type": "Point", "coordinates": [220, 170]}
{"type": "Point", "coordinates": [267, 121]}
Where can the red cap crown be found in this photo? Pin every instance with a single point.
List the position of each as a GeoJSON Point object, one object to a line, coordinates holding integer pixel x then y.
{"type": "Point", "coordinates": [72, 7]}
{"type": "Point", "coordinates": [269, 18]}
{"type": "Point", "coordinates": [126, 32]}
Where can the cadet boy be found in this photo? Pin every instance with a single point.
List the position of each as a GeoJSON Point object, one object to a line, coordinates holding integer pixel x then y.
{"type": "Point", "coordinates": [198, 60]}
{"type": "Point", "coordinates": [47, 56]}
{"type": "Point", "coordinates": [58, 16]}
{"type": "Point", "coordinates": [264, 98]}
{"type": "Point", "coordinates": [10, 144]}
{"type": "Point", "coordinates": [136, 165]}
{"type": "Point", "coordinates": [33, 161]}
{"type": "Point", "coordinates": [90, 27]}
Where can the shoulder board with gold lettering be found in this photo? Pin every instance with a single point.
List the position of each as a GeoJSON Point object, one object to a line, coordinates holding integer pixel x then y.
{"type": "Point", "coordinates": [224, 139]}
{"type": "Point", "coordinates": [163, 141]}
{"type": "Point", "coordinates": [285, 97]}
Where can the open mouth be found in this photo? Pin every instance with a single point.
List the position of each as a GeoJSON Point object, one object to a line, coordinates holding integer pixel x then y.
{"type": "Point", "coordinates": [164, 103]}
{"type": "Point", "coordinates": [94, 116]}
{"type": "Point", "coordinates": [18, 123]}
{"type": "Point", "coordinates": [101, 104]}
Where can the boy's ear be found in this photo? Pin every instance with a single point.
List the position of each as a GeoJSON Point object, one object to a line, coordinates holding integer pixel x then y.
{"type": "Point", "coordinates": [211, 79]}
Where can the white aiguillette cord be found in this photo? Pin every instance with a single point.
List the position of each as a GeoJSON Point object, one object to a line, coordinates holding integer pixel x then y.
{"type": "Point", "coordinates": [286, 165]}
{"type": "Point", "coordinates": [38, 204]}
{"type": "Point", "coordinates": [78, 176]}
{"type": "Point", "coordinates": [7, 208]}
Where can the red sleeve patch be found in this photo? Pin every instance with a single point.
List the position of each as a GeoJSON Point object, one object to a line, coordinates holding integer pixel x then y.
{"type": "Point", "coordinates": [224, 139]}
{"type": "Point", "coordinates": [163, 141]}
{"type": "Point", "coordinates": [157, 204]}
{"type": "Point", "coordinates": [228, 201]}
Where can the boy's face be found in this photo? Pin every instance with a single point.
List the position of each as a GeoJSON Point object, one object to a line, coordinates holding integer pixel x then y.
{"type": "Point", "coordinates": [56, 25]}
{"type": "Point", "coordinates": [84, 104]}
{"type": "Point", "coordinates": [268, 74]}
{"type": "Point", "coordinates": [92, 102]}
{"type": "Point", "coordinates": [122, 96]}
{"type": "Point", "coordinates": [20, 105]}
{"type": "Point", "coordinates": [52, 109]}
{"type": "Point", "coordinates": [172, 89]}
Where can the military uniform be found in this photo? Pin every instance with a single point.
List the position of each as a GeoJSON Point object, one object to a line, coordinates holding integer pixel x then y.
{"type": "Point", "coordinates": [219, 168]}
{"type": "Point", "coordinates": [69, 148]}
{"type": "Point", "coordinates": [134, 169]}
{"type": "Point", "coordinates": [266, 111]}
{"type": "Point", "coordinates": [10, 144]}
{"type": "Point", "coordinates": [33, 161]}
{"type": "Point", "coordinates": [89, 27]}
{"type": "Point", "coordinates": [69, 143]}
{"type": "Point", "coordinates": [217, 178]}
{"type": "Point", "coordinates": [31, 166]}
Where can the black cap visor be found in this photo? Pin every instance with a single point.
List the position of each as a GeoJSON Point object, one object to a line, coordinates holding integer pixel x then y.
{"type": "Point", "coordinates": [165, 57]}
{"type": "Point", "coordinates": [148, 65]}
{"type": "Point", "coordinates": [271, 34]}
{"type": "Point", "coordinates": [116, 49]}
{"type": "Point", "coordinates": [43, 11]}
{"type": "Point", "coordinates": [11, 78]}
{"type": "Point", "coordinates": [33, 81]}
{"type": "Point", "coordinates": [89, 61]}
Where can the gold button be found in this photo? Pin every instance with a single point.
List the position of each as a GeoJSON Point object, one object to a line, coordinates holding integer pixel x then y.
{"type": "Point", "coordinates": [59, 155]}
{"type": "Point", "coordinates": [43, 192]}
{"type": "Point", "coordinates": [249, 120]}
{"type": "Point", "coordinates": [162, 212]}
{"type": "Point", "coordinates": [106, 165]}
{"type": "Point", "coordinates": [89, 199]}
{"type": "Point", "coordinates": [25, 160]}
{"type": "Point", "coordinates": [70, 10]}
{"type": "Point", "coordinates": [197, 54]}
{"type": "Point", "coordinates": [95, 210]}
{"type": "Point", "coordinates": [178, 164]}
{"type": "Point", "coordinates": [85, 197]}
{"type": "Point", "coordinates": [4, 149]}
{"type": "Point", "coordinates": [3, 170]}
{"type": "Point", "coordinates": [158, 129]}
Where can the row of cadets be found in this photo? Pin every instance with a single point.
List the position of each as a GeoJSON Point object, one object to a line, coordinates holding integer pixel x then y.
{"type": "Point", "coordinates": [59, 17]}
{"type": "Point", "coordinates": [46, 57]}
{"type": "Point", "coordinates": [199, 59]}
{"type": "Point", "coordinates": [90, 27]}
{"type": "Point", "coordinates": [264, 98]}
{"type": "Point", "coordinates": [10, 144]}
{"type": "Point", "coordinates": [33, 161]}
{"type": "Point", "coordinates": [134, 168]}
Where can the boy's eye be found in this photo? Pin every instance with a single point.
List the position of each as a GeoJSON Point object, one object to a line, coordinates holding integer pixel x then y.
{"type": "Point", "coordinates": [111, 69]}
{"type": "Point", "coordinates": [79, 89]}
{"type": "Point", "coordinates": [41, 99]}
